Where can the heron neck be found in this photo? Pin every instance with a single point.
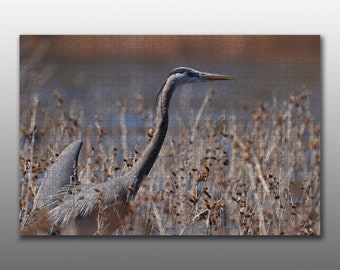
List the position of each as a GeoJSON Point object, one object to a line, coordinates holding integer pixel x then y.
{"type": "Point", "coordinates": [147, 160]}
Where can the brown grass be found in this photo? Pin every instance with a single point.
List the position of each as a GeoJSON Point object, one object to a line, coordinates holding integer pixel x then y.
{"type": "Point", "coordinates": [214, 178]}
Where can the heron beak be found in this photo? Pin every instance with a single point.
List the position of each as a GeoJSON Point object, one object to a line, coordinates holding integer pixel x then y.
{"type": "Point", "coordinates": [211, 76]}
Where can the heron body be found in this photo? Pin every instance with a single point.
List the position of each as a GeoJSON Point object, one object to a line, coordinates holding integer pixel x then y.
{"type": "Point", "coordinates": [78, 208]}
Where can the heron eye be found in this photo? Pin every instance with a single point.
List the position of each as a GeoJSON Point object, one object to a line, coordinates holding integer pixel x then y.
{"type": "Point", "coordinates": [192, 74]}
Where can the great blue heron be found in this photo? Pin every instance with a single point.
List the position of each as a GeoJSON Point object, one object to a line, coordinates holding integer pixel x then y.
{"type": "Point", "coordinates": [74, 205]}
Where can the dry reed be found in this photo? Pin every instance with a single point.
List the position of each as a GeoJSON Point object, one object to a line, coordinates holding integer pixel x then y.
{"type": "Point", "coordinates": [213, 178]}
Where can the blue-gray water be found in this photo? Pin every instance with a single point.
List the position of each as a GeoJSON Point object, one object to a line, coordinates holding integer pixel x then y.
{"type": "Point", "coordinates": [96, 87]}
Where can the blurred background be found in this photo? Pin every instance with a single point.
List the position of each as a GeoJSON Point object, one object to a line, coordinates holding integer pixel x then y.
{"type": "Point", "coordinates": [92, 73]}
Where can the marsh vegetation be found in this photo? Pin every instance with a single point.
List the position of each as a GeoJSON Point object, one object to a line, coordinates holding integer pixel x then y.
{"type": "Point", "coordinates": [216, 174]}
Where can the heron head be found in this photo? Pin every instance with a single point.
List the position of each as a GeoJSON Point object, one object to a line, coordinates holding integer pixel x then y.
{"type": "Point", "coordinates": [182, 75]}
